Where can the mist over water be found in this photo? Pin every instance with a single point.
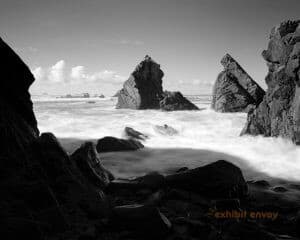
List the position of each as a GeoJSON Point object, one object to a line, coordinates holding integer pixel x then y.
{"type": "Point", "coordinates": [197, 130]}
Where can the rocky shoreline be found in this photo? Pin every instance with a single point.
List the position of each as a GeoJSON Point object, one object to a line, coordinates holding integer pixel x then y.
{"type": "Point", "coordinates": [49, 193]}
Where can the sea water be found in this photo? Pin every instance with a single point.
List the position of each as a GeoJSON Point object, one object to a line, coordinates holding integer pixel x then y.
{"type": "Point", "coordinates": [202, 136]}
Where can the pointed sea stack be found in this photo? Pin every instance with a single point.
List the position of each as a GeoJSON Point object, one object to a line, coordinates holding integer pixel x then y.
{"type": "Point", "coordinates": [279, 112]}
{"type": "Point", "coordinates": [234, 89]}
{"type": "Point", "coordinates": [143, 90]}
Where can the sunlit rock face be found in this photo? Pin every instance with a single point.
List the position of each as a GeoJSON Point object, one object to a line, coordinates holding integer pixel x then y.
{"type": "Point", "coordinates": [234, 90]}
{"type": "Point", "coordinates": [279, 113]}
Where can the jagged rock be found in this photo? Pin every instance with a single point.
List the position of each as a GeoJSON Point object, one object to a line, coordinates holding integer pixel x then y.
{"type": "Point", "coordinates": [220, 179]}
{"type": "Point", "coordinates": [88, 161]}
{"type": "Point", "coordinates": [174, 101]}
{"type": "Point", "coordinates": [18, 126]}
{"type": "Point", "coordinates": [112, 144]}
{"type": "Point", "coordinates": [131, 133]}
{"type": "Point", "coordinates": [234, 90]}
{"type": "Point", "coordinates": [279, 112]}
{"type": "Point", "coordinates": [143, 89]}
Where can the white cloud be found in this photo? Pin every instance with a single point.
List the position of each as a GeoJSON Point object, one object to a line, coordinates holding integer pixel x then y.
{"type": "Point", "coordinates": [56, 72]}
{"type": "Point", "coordinates": [78, 72]}
{"type": "Point", "coordinates": [198, 82]}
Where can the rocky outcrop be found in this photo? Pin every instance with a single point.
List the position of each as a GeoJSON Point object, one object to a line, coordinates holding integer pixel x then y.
{"type": "Point", "coordinates": [279, 112]}
{"type": "Point", "coordinates": [18, 125]}
{"type": "Point", "coordinates": [174, 101]}
{"type": "Point", "coordinates": [143, 90]}
{"type": "Point", "coordinates": [220, 180]}
{"type": "Point", "coordinates": [131, 133]}
{"type": "Point", "coordinates": [234, 90]}
{"type": "Point", "coordinates": [88, 161]}
{"type": "Point", "coordinates": [112, 144]}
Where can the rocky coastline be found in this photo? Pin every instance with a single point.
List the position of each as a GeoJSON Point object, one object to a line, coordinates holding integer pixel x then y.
{"type": "Point", "coordinates": [50, 193]}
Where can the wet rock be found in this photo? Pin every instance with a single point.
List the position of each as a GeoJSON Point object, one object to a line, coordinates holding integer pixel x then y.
{"type": "Point", "coordinates": [112, 144]}
{"type": "Point", "coordinates": [165, 130]}
{"type": "Point", "coordinates": [145, 219]}
{"type": "Point", "coordinates": [131, 133]}
{"type": "Point", "coordinates": [152, 180]}
{"type": "Point", "coordinates": [227, 204]}
{"type": "Point", "coordinates": [88, 161]}
{"type": "Point", "coordinates": [278, 113]}
{"type": "Point", "coordinates": [143, 89]}
{"type": "Point", "coordinates": [279, 189]}
{"type": "Point", "coordinates": [220, 179]}
{"type": "Point", "coordinates": [234, 90]}
{"type": "Point", "coordinates": [260, 183]}
{"type": "Point", "coordinates": [174, 101]}
{"type": "Point", "coordinates": [183, 169]}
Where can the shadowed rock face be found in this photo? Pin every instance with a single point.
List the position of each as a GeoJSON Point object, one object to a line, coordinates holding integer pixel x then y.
{"type": "Point", "coordinates": [18, 125]}
{"type": "Point", "coordinates": [143, 89]}
{"type": "Point", "coordinates": [279, 112]}
{"type": "Point", "coordinates": [234, 90]}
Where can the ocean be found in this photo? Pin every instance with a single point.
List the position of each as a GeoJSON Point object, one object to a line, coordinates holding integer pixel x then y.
{"type": "Point", "coordinates": [202, 136]}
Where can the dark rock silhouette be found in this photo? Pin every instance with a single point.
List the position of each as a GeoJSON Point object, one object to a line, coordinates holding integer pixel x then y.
{"type": "Point", "coordinates": [143, 90]}
{"type": "Point", "coordinates": [18, 125]}
{"type": "Point", "coordinates": [234, 90]}
{"type": "Point", "coordinates": [112, 144]}
{"type": "Point", "coordinates": [174, 101]}
{"type": "Point", "coordinates": [220, 179]}
{"type": "Point", "coordinates": [88, 161]}
{"type": "Point", "coordinates": [279, 112]}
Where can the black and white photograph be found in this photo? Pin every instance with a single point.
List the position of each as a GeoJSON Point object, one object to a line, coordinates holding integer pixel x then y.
{"type": "Point", "coordinates": [150, 119]}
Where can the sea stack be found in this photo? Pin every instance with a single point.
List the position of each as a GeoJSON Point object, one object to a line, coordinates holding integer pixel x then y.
{"type": "Point", "coordinates": [144, 90]}
{"type": "Point", "coordinates": [234, 90]}
{"type": "Point", "coordinates": [279, 112]}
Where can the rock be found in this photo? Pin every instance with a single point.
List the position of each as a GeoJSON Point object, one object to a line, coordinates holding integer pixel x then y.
{"type": "Point", "coordinates": [220, 179]}
{"type": "Point", "coordinates": [112, 144]}
{"type": "Point", "coordinates": [143, 89]}
{"type": "Point", "coordinates": [166, 130]}
{"type": "Point", "coordinates": [174, 101]}
{"type": "Point", "coordinates": [234, 90]}
{"type": "Point", "coordinates": [279, 112]}
{"type": "Point", "coordinates": [18, 125]}
{"type": "Point", "coordinates": [88, 161]}
{"type": "Point", "coordinates": [152, 180]}
{"type": "Point", "coordinates": [260, 183]}
{"type": "Point", "coordinates": [146, 219]}
{"type": "Point", "coordinates": [227, 204]}
{"type": "Point", "coordinates": [279, 189]}
{"type": "Point", "coordinates": [131, 133]}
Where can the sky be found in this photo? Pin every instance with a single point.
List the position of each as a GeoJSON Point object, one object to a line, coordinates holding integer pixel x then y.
{"type": "Point", "coordinates": [75, 46]}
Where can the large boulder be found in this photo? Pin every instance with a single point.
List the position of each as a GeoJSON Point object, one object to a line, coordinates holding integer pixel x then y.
{"type": "Point", "coordinates": [112, 144]}
{"type": "Point", "coordinates": [143, 89]}
{"type": "Point", "coordinates": [279, 112]}
{"type": "Point", "coordinates": [234, 90]}
{"type": "Point", "coordinates": [88, 161]}
{"type": "Point", "coordinates": [220, 179]}
{"type": "Point", "coordinates": [174, 101]}
{"type": "Point", "coordinates": [18, 126]}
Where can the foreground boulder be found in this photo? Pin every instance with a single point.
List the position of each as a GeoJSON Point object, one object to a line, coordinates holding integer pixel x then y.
{"type": "Point", "coordinates": [234, 90]}
{"type": "Point", "coordinates": [279, 112]}
{"type": "Point", "coordinates": [220, 179]}
{"type": "Point", "coordinates": [174, 101]}
{"type": "Point", "coordinates": [143, 90]}
{"type": "Point", "coordinates": [112, 144]}
{"type": "Point", "coordinates": [88, 160]}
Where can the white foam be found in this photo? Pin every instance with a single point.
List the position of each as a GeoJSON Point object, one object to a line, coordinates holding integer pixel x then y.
{"type": "Point", "coordinates": [204, 129]}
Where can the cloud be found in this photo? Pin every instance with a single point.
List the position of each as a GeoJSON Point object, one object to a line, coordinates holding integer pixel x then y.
{"type": "Point", "coordinates": [127, 42]}
{"type": "Point", "coordinates": [105, 76]}
{"type": "Point", "coordinates": [39, 73]}
{"type": "Point", "coordinates": [56, 72]}
{"type": "Point", "coordinates": [202, 83]}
